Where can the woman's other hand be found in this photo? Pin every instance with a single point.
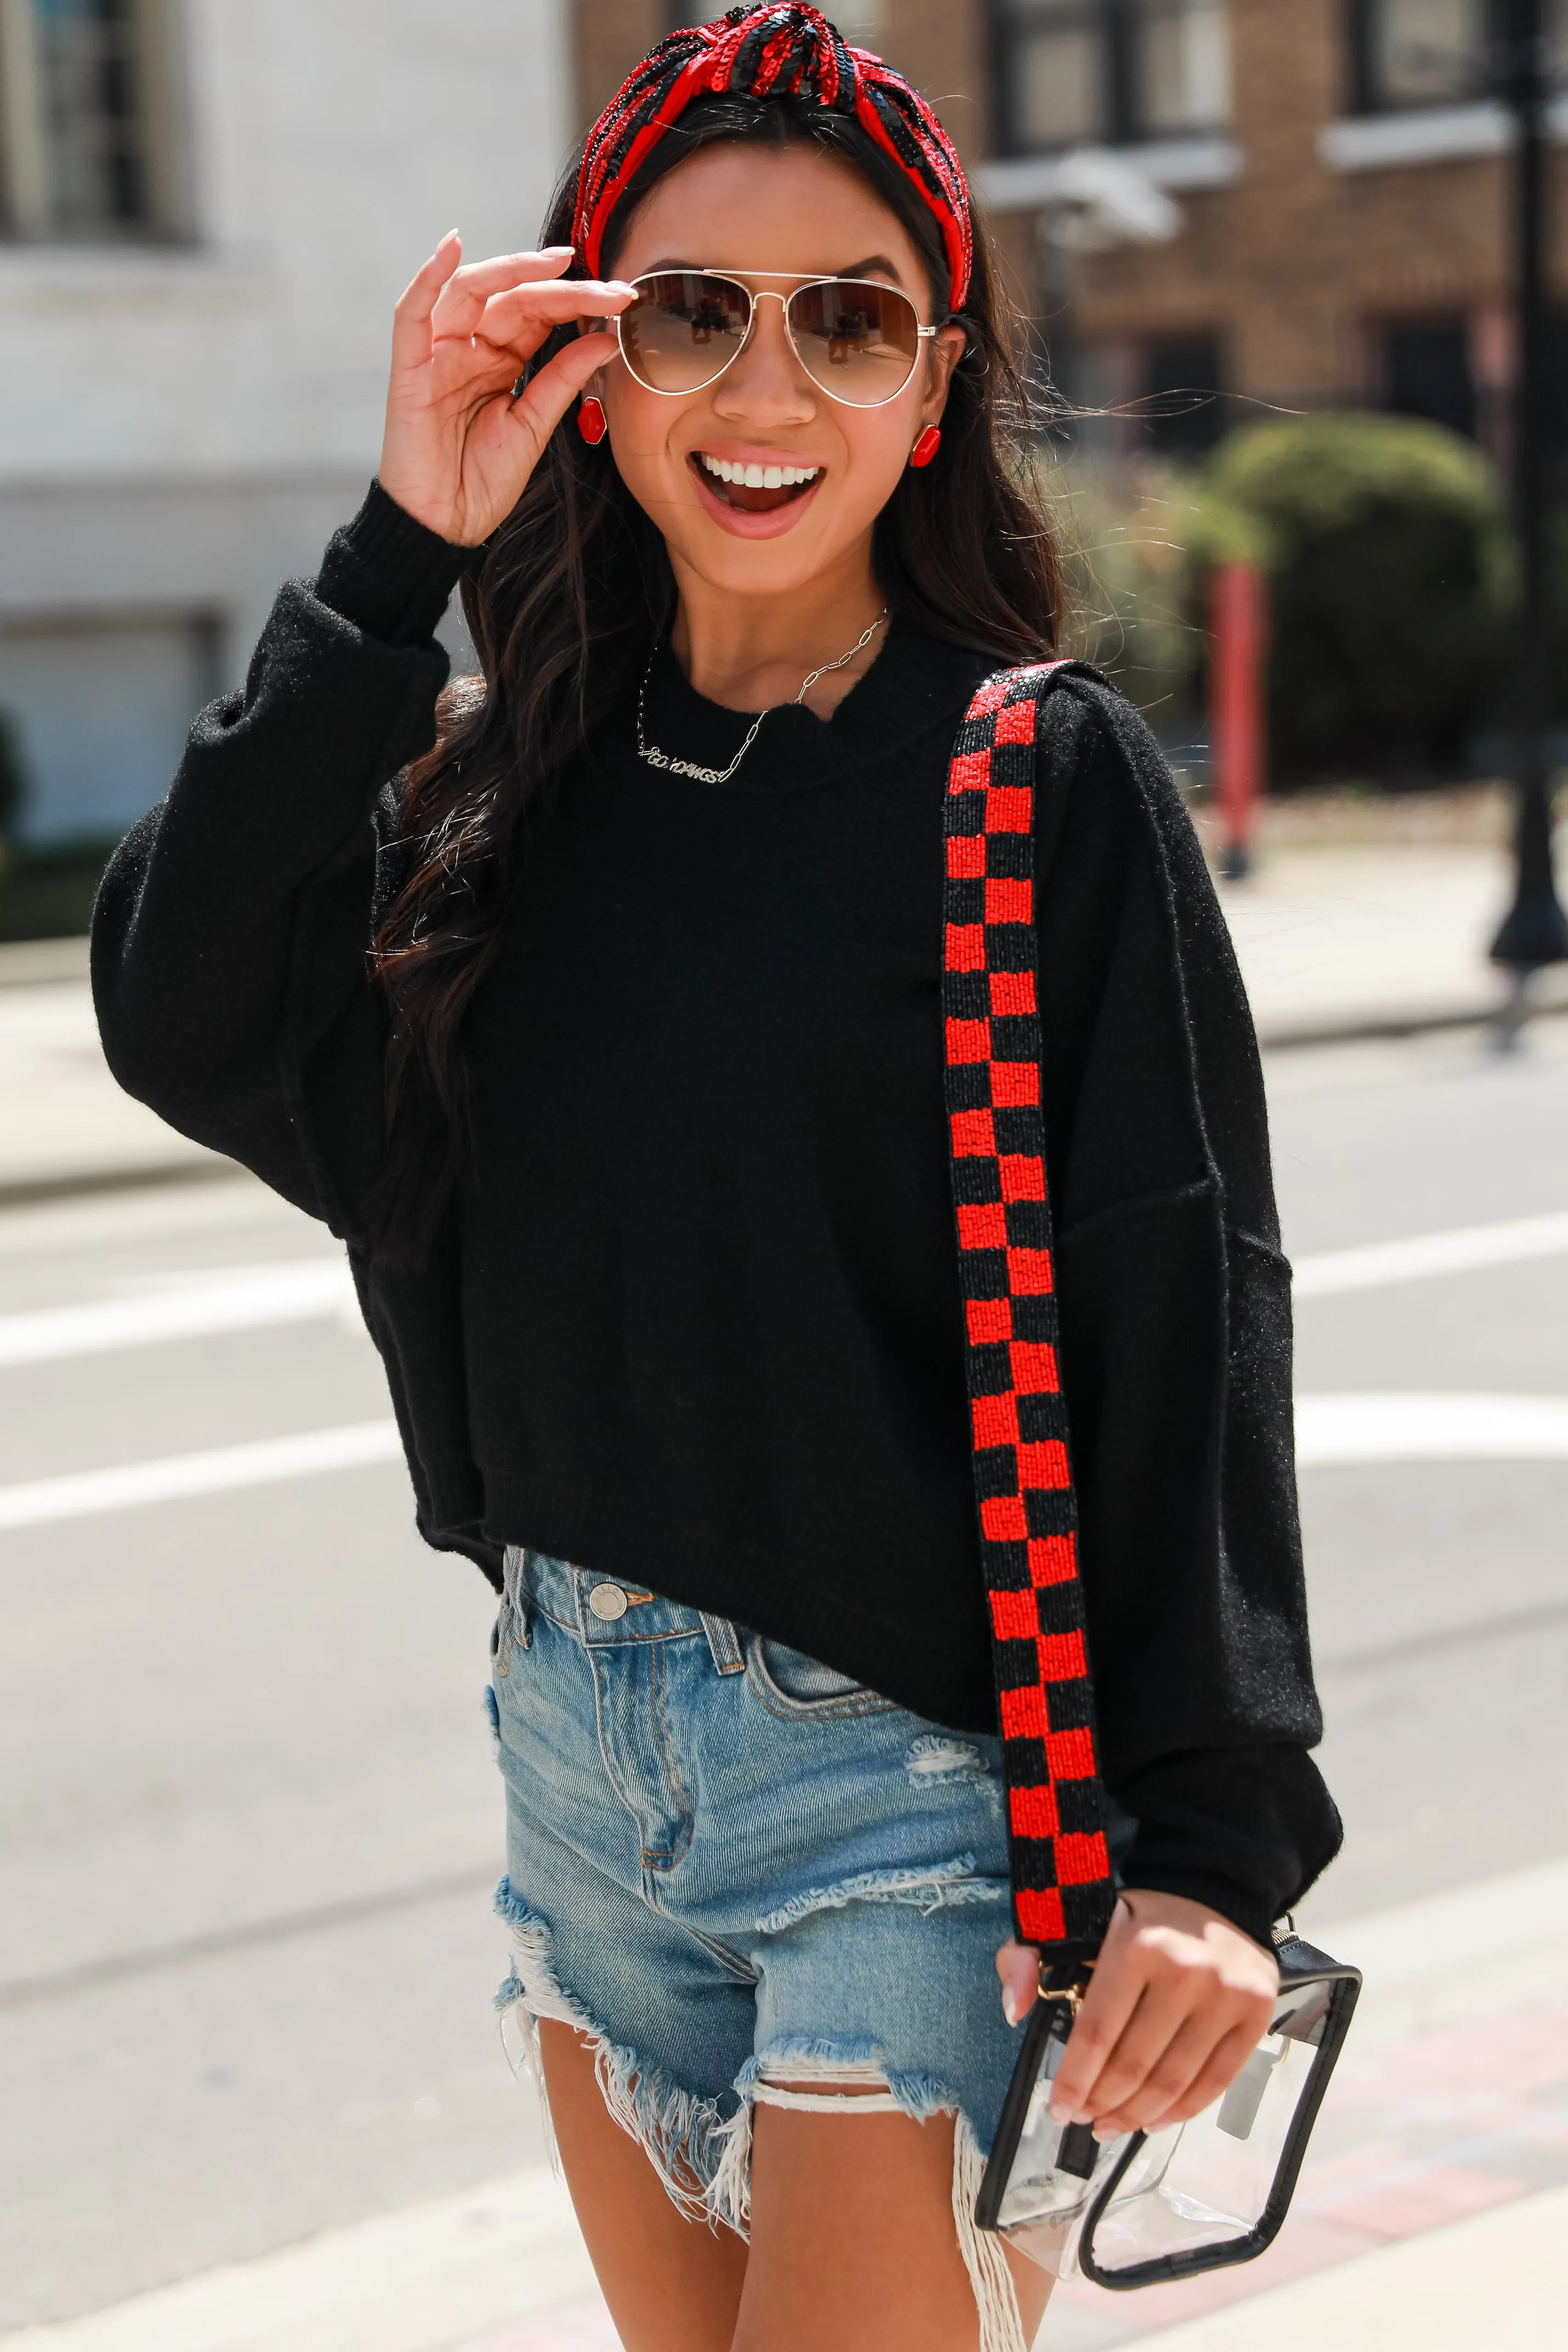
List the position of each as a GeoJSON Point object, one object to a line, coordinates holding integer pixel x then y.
{"type": "Point", "coordinates": [458, 449]}
{"type": "Point", "coordinates": [1177, 1999]}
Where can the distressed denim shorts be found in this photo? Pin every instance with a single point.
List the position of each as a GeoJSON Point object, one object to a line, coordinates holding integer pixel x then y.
{"type": "Point", "coordinates": [731, 1866]}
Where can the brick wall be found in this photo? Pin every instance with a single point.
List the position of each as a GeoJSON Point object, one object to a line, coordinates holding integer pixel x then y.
{"type": "Point", "coordinates": [1297, 266]}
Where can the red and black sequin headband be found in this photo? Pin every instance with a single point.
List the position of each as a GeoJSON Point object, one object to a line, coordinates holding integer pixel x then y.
{"type": "Point", "coordinates": [789, 52]}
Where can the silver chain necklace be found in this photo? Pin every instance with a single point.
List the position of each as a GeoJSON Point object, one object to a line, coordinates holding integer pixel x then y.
{"type": "Point", "coordinates": [657, 758]}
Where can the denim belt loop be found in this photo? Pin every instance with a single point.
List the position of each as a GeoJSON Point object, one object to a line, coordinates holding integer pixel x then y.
{"type": "Point", "coordinates": [724, 1640]}
{"type": "Point", "coordinates": [514, 1598]}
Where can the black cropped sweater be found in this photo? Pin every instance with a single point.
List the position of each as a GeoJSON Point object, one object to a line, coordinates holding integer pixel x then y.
{"type": "Point", "coordinates": [694, 1319]}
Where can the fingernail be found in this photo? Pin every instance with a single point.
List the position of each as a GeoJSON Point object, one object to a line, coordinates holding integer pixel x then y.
{"type": "Point", "coordinates": [1105, 2131]}
{"type": "Point", "coordinates": [1010, 2005]}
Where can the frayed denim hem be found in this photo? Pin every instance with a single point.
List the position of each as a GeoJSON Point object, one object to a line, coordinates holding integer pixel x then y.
{"type": "Point", "coordinates": [701, 2148]}
{"type": "Point", "coordinates": [684, 2137]}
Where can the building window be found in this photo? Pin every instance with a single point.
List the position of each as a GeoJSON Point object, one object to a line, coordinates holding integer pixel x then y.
{"type": "Point", "coordinates": [1427, 371]}
{"type": "Point", "coordinates": [1182, 399]}
{"type": "Point", "coordinates": [1181, 67]}
{"type": "Point", "coordinates": [1420, 53]}
{"type": "Point", "coordinates": [1075, 72]}
{"type": "Point", "coordinates": [88, 131]}
{"type": "Point", "coordinates": [95, 709]}
{"type": "Point", "coordinates": [1051, 81]}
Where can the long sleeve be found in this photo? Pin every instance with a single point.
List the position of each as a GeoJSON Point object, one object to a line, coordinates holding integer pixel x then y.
{"type": "Point", "coordinates": [1175, 1320]}
{"type": "Point", "coordinates": [229, 939]}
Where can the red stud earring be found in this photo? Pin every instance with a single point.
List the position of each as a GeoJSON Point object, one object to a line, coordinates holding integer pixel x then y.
{"type": "Point", "coordinates": [926, 449]}
{"type": "Point", "coordinates": [592, 421]}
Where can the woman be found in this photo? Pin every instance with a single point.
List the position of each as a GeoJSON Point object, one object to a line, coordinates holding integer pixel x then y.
{"type": "Point", "coordinates": [632, 1120]}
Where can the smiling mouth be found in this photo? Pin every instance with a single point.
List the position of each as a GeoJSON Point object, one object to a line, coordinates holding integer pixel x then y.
{"type": "Point", "coordinates": [753, 489]}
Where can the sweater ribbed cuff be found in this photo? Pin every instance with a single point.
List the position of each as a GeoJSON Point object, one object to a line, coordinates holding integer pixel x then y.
{"type": "Point", "coordinates": [388, 574]}
{"type": "Point", "coordinates": [1238, 1903]}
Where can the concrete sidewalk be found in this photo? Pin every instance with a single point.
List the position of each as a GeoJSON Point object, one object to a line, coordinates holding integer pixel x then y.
{"type": "Point", "coordinates": [1363, 917]}
{"type": "Point", "coordinates": [1355, 931]}
{"type": "Point", "coordinates": [67, 1125]}
{"type": "Point", "coordinates": [1433, 2211]}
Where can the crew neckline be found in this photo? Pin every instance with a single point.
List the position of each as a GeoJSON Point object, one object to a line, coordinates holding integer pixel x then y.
{"type": "Point", "coordinates": [914, 682]}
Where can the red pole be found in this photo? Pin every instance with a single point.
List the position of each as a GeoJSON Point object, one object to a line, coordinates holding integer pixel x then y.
{"type": "Point", "coordinates": [1237, 721]}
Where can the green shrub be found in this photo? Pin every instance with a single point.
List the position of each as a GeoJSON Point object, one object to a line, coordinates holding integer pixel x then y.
{"type": "Point", "coordinates": [1131, 610]}
{"type": "Point", "coordinates": [1386, 544]}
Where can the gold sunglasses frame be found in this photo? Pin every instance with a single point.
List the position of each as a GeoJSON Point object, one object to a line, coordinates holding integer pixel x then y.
{"type": "Point", "coordinates": [805, 279]}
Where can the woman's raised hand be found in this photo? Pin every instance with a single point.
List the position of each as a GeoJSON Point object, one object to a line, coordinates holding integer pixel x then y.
{"type": "Point", "coordinates": [458, 449]}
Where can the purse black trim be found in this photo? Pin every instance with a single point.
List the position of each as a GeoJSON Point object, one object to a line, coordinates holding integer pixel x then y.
{"type": "Point", "coordinates": [1299, 1963]}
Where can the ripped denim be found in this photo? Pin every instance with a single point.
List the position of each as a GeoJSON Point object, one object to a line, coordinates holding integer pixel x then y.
{"type": "Point", "coordinates": [738, 1872]}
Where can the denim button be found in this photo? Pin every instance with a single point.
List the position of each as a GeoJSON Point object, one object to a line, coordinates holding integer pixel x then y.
{"type": "Point", "coordinates": [608, 1602]}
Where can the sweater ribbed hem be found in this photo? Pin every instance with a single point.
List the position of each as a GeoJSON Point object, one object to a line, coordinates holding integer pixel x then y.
{"type": "Point", "coordinates": [388, 574]}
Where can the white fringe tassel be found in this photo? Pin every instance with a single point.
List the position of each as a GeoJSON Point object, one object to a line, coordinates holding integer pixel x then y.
{"type": "Point", "coordinates": [1002, 2323]}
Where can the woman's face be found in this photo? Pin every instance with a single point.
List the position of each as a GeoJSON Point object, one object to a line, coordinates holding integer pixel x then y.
{"type": "Point", "coordinates": [768, 220]}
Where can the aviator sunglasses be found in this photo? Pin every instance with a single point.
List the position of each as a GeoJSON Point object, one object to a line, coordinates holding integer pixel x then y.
{"type": "Point", "coordinates": [856, 337]}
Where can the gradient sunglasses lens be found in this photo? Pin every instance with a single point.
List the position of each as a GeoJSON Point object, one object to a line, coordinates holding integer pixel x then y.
{"type": "Point", "coordinates": [683, 329]}
{"type": "Point", "coordinates": [857, 339]}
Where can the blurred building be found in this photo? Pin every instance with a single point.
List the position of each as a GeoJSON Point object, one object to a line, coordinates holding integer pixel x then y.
{"type": "Point", "coordinates": [1300, 202]}
{"type": "Point", "coordinates": [206, 211]}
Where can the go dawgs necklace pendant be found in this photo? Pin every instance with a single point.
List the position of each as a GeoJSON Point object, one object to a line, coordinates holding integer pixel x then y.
{"type": "Point", "coordinates": [657, 758]}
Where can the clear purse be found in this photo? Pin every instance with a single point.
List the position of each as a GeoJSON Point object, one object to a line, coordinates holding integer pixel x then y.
{"type": "Point", "coordinates": [1149, 2207]}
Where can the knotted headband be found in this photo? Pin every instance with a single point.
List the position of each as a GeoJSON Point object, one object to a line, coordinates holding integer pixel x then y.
{"type": "Point", "coordinates": [780, 53]}
{"type": "Point", "coordinates": [1062, 1886]}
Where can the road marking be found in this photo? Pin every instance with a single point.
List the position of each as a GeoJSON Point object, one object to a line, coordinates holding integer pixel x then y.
{"type": "Point", "coordinates": [1331, 1431]}
{"type": "Point", "coordinates": [1387, 1425]}
{"type": "Point", "coordinates": [242, 1299]}
{"type": "Point", "coordinates": [302, 1290]}
{"type": "Point", "coordinates": [1424, 1254]}
{"type": "Point", "coordinates": [86, 1493]}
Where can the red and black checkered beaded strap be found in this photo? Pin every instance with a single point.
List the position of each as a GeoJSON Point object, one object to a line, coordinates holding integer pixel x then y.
{"type": "Point", "coordinates": [1062, 1890]}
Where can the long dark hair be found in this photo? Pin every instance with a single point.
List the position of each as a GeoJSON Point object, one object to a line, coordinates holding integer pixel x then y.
{"type": "Point", "coordinates": [572, 593]}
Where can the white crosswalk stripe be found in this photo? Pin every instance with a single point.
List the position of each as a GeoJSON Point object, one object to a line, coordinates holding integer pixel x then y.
{"type": "Point", "coordinates": [241, 1298]}
{"type": "Point", "coordinates": [1425, 1256]}
{"type": "Point", "coordinates": [83, 1493]}
{"type": "Point", "coordinates": [1385, 1425]}
{"type": "Point", "coordinates": [1366, 1427]}
{"type": "Point", "coordinates": [252, 1299]}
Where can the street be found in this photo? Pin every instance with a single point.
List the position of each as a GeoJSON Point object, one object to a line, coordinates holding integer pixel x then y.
{"type": "Point", "coordinates": [250, 1821]}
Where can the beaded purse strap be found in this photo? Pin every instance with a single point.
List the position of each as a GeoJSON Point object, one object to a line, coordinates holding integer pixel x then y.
{"type": "Point", "coordinates": [1062, 1882]}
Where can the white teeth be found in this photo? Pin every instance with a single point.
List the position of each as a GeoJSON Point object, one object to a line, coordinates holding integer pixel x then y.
{"type": "Point", "coordinates": [758, 478]}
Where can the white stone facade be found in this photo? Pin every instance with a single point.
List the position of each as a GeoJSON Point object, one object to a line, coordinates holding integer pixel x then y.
{"type": "Point", "coordinates": [189, 407]}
